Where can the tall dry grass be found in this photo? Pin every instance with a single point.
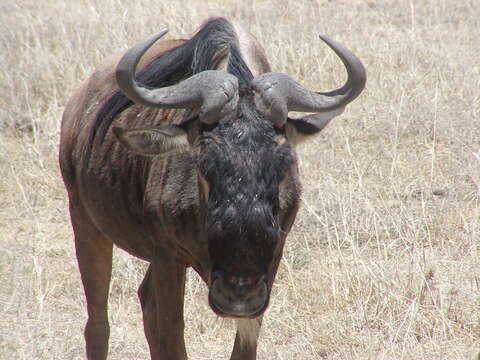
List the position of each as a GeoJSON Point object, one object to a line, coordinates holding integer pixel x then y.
{"type": "Point", "coordinates": [383, 262]}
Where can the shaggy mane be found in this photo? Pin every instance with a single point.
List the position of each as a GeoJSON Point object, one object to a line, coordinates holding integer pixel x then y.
{"type": "Point", "coordinates": [215, 40]}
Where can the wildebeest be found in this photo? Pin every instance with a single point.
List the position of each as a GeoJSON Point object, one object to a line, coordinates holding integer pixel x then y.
{"type": "Point", "coordinates": [190, 162]}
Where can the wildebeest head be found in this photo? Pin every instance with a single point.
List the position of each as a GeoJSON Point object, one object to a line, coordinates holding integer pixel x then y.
{"type": "Point", "coordinates": [246, 164]}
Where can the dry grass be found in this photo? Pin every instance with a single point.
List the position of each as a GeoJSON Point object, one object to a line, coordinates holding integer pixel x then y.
{"type": "Point", "coordinates": [384, 260]}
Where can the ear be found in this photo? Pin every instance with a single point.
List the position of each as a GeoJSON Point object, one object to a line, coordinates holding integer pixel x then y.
{"type": "Point", "coordinates": [152, 141]}
{"type": "Point", "coordinates": [300, 129]}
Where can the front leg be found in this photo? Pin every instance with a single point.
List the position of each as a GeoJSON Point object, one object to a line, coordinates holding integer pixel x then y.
{"type": "Point", "coordinates": [245, 346]}
{"type": "Point", "coordinates": [161, 295]}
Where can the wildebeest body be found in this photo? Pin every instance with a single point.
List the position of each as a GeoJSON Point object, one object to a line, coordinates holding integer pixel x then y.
{"type": "Point", "coordinates": [222, 193]}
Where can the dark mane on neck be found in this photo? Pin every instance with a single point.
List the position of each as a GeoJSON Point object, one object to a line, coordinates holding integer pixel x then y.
{"type": "Point", "coordinates": [214, 41]}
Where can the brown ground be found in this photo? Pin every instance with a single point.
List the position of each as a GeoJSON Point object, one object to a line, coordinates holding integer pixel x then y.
{"type": "Point", "coordinates": [383, 262]}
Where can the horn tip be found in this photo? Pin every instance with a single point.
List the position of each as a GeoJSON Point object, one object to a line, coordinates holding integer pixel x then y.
{"type": "Point", "coordinates": [327, 39]}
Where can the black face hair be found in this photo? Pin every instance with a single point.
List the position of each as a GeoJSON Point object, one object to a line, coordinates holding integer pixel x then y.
{"type": "Point", "coordinates": [243, 165]}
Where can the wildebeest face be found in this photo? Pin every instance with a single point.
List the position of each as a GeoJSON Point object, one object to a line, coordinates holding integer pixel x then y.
{"type": "Point", "coordinates": [242, 163]}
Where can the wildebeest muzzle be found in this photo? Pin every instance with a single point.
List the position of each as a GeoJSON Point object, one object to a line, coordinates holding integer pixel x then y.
{"type": "Point", "coordinates": [236, 296]}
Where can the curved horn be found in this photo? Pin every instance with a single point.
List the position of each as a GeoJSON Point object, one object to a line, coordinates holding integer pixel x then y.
{"type": "Point", "coordinates": [214, 92]}
{"type": "Point", "coordinates": [276, 94]}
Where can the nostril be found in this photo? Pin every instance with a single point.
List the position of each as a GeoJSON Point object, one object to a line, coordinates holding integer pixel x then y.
{"type": "Point", "coordinates": [233, 280]}
{"type": "Point", "coordinates": [244, 281]}
{"type": "Point", "coordinates": [235, 283]}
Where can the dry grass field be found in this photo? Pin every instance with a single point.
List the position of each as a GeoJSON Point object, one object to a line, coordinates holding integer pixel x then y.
{"type": "Point", "coordinates": [384, 259]}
